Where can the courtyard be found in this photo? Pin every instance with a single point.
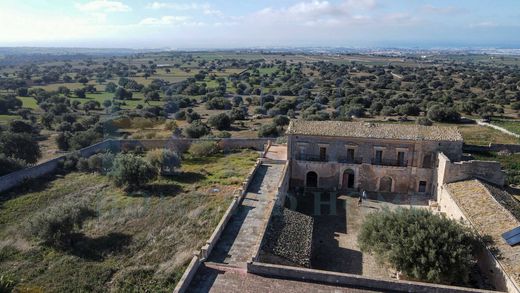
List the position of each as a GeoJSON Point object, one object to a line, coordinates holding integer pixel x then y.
{"type": "Point", "coordinates": [337, 221]}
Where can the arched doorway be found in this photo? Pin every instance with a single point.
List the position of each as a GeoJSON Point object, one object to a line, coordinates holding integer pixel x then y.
{"type": "Point", "coordinates": [348, 179]}
{"type": "Point", "coordinates": [312, 179]}
{"type": "Point", "coordinates": [427, 161]}
{"type": "Point", "coordinates": [385, 184]}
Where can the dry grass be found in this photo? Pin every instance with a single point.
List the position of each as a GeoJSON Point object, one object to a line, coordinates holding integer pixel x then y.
{"type": "Point", "coordinates": [480, 135]}
{"type": "Point", "coordinates": [139, 242]}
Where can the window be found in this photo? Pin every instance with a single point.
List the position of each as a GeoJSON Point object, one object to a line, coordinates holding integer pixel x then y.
{"type": "Point", "coordinates": [422, 186]}
{"type": "Point", "coordinates": [400, 159]}
{"type": "Point", "coordinates": [379, 157]}
{"type": "Point", "coordinates": [350, 155]}
{"type": "Point", "coordinates": [323, 154]}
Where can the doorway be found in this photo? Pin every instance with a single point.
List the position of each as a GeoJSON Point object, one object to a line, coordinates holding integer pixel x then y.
{"type": "Point", "coordinates": [312, 179]}
{"type": "Point", "coordinates": [385, 184]}
{"type": "Point", "coordinates": [348, 180]}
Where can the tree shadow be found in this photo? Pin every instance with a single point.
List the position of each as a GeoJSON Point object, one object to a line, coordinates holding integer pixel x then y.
{"type": "Point", "coordinates": [156, 189]}
{"type": "Point", "coordinates": [187, 177]}
{"type": "Point", "coordinates": [98, 248]}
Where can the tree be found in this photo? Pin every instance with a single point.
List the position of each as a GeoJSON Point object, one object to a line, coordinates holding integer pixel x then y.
{"type": "Point", "coordinates": [281, 120]}
{"type": "Point", "coordinates": [123, 94]}
{"type": "Point", "coordinates": [203, 148]}
{"type": "Point", "coordinates": [220, 121]}
{"type": "Point", "coordinates": [164, 160]}
{"type": "Point", "coordinates": [196, 129]}
{"type": "Point", "coordinates": [420, 244]}
{"type": "Point", "coordinates": [20, 126]}
{"type": "Point", "coordinates": [268, 130]}
{"type": "Point", "coordinates": [131, 171]}
{"type": "Point", "coordinates": [20, 146]}
{"type": "Point", "coordinates": [80, 93]}
{"type": "Point", "coordinates": [110, 87]}
{"type": "Point", "coordinates": [8, 165]}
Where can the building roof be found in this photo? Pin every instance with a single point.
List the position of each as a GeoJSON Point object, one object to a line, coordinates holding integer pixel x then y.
{"type": "Point", "coordinates": [374, 130]}
{"type": "Point", "coordinates": [482, 205]}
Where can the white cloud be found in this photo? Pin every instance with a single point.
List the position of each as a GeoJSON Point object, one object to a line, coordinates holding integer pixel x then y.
{"type": "Point", "coordinates": [170, 20]}
{"type": "Point", "coordinates": [205, 8]}
{"type": "Point", "coordinates": [103, 6]}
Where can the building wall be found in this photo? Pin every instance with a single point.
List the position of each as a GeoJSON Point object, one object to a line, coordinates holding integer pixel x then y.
{"type": "Point", "coordinates": [448, 171]}
{"type": "Point", "coordinates": [405, 179]}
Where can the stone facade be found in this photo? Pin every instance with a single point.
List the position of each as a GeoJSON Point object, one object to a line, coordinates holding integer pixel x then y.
{"type": "Point", "coordinates": [375, 164]}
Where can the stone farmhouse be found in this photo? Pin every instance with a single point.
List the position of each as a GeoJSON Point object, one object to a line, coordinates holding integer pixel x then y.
{"type": "Point", "coordinates": [386, 158]}
{"type": "Point", "coordinates": [419, 161]}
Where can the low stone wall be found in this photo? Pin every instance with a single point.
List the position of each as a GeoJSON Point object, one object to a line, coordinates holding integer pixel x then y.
{"type": "Point", "coordinates": [180, 144]}
{"type": "Point", "coordinates": [49, 167]}
{"type": "Point", "coordinates": [188, 275]}
{"type": "Point", "coordinates": [303, 274]}
{"type": "Point", "coordinates": [493, 147]}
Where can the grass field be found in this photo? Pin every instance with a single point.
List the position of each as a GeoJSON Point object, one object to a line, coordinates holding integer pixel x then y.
{"type": "Point", "coordinates": [138, 242]}
{"type": "Point", "coordinates": [480, 135]}
{"type": "Point", "coordinates": [513, 126]}
{"type": "Point", "coordinates": [4, 119]}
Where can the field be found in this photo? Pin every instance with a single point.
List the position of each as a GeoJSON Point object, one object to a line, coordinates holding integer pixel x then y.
{"type": "Point", "coordinates": [513, 126]}
{"type": "Point", "coordinates": [480, 135]}
{"type": "Point", "coordinates": [137, 241]}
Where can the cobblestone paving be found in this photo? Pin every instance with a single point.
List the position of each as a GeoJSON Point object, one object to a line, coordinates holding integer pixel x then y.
{"type": "Point", "coordinates": [231, 280]}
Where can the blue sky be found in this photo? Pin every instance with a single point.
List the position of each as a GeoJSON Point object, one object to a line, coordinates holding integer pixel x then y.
{"type": "Point", "coordinates": [250, 23]}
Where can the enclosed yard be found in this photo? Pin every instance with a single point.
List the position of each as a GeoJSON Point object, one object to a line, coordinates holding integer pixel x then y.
{"type": "Point", "coordinates": [138, 241]}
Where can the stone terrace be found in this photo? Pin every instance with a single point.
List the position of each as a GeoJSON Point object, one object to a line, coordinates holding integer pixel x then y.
{"type": "Point", "coordinates": [373, 130]}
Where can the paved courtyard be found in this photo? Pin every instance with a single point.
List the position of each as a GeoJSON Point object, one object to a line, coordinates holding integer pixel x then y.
{"type": "Point", "coordinates": [336, 227]}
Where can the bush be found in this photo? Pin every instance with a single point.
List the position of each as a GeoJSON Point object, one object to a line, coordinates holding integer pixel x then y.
{"type": "Point", "coordinates": [20, 146]}
{"type": "Point", "coordinates": [268, 130]}
{"type": "Point", "coordinates": [281, 120]}
{"type": "Point", "coordinates": [164, 160]}
{"type": "Point", "coordinates": [441, 113]}
{"type": "Point", "coordinates": [7, 283]}
{"type": "Point", "coordinates": [55, 225]}
{"type": "Point", "coordinates": [196, 129]}
{"type": "Point", "coordinates": [424, 121]}
{"type": "Point", "coordinates": [101, 163]}
{"type": "Point", "coordinates": [8, 165]}
{"type": "Point", "coordinates": [131, 171]}
{"type": "Point", "coordinates": [420, 244]}
{"type": "Point", "coordinates": [220, 121]}
{"type": "Point", "coordinates": [203, 148]}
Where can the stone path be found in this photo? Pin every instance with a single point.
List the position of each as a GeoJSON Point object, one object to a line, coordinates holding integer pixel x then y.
{"type": "Point", "coordinates": [242, 232]}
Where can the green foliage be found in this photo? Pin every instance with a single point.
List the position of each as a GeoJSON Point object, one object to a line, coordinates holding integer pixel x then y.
{"type": "Point", "coordinates": [268, 130]}
{"type": "Point", "coordinates": [164, 160]}
{"type": "Point", "coordinates": [131, 171]}
{"type": "Point", "coordinates": [424, 121]}
{"type": "Point", "coordinates": [8, 165]}
{"type": "Point", "coordinates": [440, 113]}
{"type": "Point", "coordinates": [20, 146]}
{"type": "Point", "coordinates": [420, 244]}
{"type": "Point", "coordinates": [220, 121]}
{"type": "Point", "coordinates": [55, 225]}
{"type": "Point", "coordinates": [203, 148]}
{"type": "Point", "coordinates": [281, 120]}
{"type": "Point", "coordinates": [7, 283]}
{"type": "Point", "coordinates": [196, 129]}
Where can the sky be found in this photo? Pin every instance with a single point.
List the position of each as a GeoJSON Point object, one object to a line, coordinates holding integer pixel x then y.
{"type": "Point", "coordinates": [182, 24]}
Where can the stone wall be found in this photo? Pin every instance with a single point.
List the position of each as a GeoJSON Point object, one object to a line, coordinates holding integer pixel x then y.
{"type": "Point", "coordinates": [180, 144]}
{"type": "Point", "coordinates": [493, 147]}
{"type": "Point", "coordinates": [488, 171]}
{"type": "Point", "coordinates": [49, 167]}
{"type": "Point", "coordinates": [338, 279]}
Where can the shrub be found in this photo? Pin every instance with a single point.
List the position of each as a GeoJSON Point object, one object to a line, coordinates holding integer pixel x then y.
{"type": "Point", "coordinates": [424, 121]}
{"type": "Point", "coordinates": [20, 146]}
{"type": "Point", "coordinates": [268, 130]}
{"type": "Point", "coordinates": [164, 160]}
{"type": "Point", "coordinates": [131, 171]}
{"type": "Point", "coordinates": [196, 130]}
{"type": "Point", "coordinates": [8, 165]}
{"type": "Point", "coordinates": [55, 225]}
{"type": "Point", "coordinates": [203, 148]}
{"type": "Point", "coordinates": [7, 283]}
{"type": "Point", "coordinates": [281, 120]}
{"type": "Point", "coordinates": [441, 113]}
{"type": "Point", "coordinates": [420, 244]}
{"type": "Point", "coordinates": [220, 121]}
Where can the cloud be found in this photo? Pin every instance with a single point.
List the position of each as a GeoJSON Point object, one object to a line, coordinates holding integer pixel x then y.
{"type": "Point", "coordinates": [205, 8]}
{"type": "Point", "coordinates": [169, 20]}
{"type": "Point", "coordinates": [484, 24]}
{"type": "Point", "coordinates": [103, 6]}
{"type": "Point", "coordinates": [442, 10]}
